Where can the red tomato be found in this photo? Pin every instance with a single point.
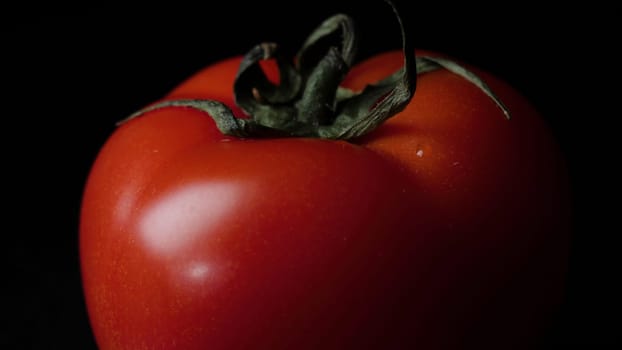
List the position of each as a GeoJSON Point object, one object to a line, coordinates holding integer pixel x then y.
{"type": "Point", "coordinates": [445, 227]}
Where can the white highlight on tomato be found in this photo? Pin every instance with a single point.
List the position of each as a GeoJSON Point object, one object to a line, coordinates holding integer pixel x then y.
{"type": "Point", "coordinates": [181, 217]}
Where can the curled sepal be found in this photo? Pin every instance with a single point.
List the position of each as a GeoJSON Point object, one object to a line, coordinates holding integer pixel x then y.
{"type": "Point", "coordinates": [358, 114]}
{"type": "Point", "coordinates": [428, 64]}
{"type": "Point", "coordinates": [316, 105]}
{"type": "Point", "coordinates": [255, 94]}
{"type": "Point", "coordinates": [306, 96]}
{"type": "Point", "coordinates": [337, 31]}
{"type": "Point", "coordinates": [222, 115]}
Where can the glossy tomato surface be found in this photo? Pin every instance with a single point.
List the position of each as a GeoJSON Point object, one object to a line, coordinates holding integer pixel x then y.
{"type": "Point", "coordinates": [445, 227]}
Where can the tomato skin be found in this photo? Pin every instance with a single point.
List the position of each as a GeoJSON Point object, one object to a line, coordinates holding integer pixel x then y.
{"type": "Point", "coordinates": [447, 226]}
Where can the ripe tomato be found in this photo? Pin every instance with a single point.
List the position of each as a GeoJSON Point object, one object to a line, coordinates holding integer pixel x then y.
{"type": "Point", "coordinates": [445, 227]}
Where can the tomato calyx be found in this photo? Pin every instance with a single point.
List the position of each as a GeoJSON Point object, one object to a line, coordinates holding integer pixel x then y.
{"type": "Point", "coordinates": [309, 101]}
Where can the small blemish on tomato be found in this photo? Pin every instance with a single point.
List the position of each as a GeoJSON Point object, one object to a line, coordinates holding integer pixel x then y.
{"type": "Point", "coordinates": [419, 153]}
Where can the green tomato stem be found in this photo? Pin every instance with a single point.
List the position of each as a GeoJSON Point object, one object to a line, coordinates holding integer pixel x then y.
{"type": "Point", "coordinates": [309, 101]}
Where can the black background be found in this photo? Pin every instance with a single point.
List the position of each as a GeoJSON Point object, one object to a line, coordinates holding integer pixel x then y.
{"type": "Point", "coordinates": [69, 78]}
